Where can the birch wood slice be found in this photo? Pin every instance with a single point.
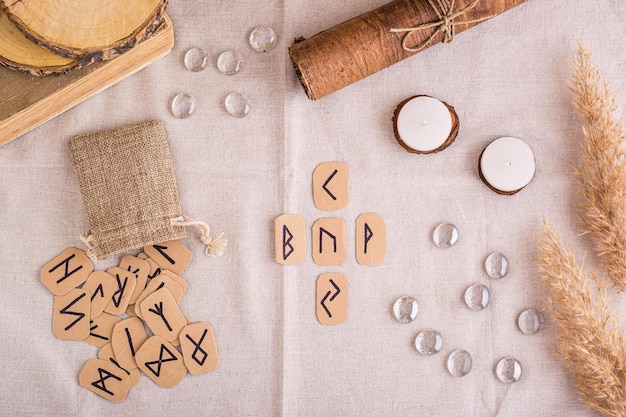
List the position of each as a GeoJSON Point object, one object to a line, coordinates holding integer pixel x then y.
{"type": "Point", "coordinates": [19, 53]}
{"type": "Point", "coordinates": [27, 102]}
{"type": "Point", "coordinates": [98, 29]}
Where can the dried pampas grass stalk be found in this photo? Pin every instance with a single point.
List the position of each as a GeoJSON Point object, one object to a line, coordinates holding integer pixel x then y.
{"type": "Point", "coordinates": [601, 181]}
{"type": "Point", "coordinates": [591, 338]}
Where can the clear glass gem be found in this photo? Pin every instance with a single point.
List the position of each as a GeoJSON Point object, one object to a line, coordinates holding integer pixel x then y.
{"type": "Point", "coordinates": [459, 363]}
{"type": "Point", "coordinates": [183, 106]}
{"type": "Point", "coordinates": [530, 321]}
{"type": "Point", "coordinates": [230, 62]}
{"type": "Point", "coordinates": [445, 235]}
{"type": "Point", "coordinates": [262, 39]}
{"type": "Point", "coordinates": [196, 59]}
{"type": "Point", "coordinates": [428, 342]}
{"type": "Point", "coordinates": [237, 105]}
{"type": "Point", "coordinates": [508, 370]}
{"type": "Point", "coordinates": [405, 309]}
{"type": "Point", "coordinates": [477, 296]}
{"type": "Point", "coordinates": [496, 265]}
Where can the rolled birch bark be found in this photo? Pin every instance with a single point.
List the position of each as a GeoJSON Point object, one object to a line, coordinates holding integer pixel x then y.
{"type": "Point", "coordinates": [366, 44]}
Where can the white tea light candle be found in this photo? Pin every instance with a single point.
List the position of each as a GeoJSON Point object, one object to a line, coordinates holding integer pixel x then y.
{"type": "Point", "coordinates": [507, 165]}
{"type": "Point", "coordinates": [423, 124]}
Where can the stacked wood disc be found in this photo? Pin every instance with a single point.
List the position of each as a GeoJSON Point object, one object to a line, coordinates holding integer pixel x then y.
{"type": "Point", "coordinates": [54, 36]}
{"type": "Point", "coordinates": [18, 52]}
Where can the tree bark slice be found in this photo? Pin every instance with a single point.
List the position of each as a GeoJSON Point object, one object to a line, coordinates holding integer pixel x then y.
{"type": "Point", "coordinates": [20, 53]}
{"type": "Point", "coordinates": [81, 29]}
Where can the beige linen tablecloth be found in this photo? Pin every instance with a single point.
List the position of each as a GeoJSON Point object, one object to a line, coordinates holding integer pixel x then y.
{"type": "Point", "coordinates": [508, 76]}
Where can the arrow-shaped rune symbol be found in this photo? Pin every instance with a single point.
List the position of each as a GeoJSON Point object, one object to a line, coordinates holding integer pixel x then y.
{"type": "Point", "coordinates": [326, 183]}
{"type": "Point", "coordinates": [337, 291]}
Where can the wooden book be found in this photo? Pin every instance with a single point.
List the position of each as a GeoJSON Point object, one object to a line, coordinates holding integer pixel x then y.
{"type": "Point", "coordinates": [27, 101]}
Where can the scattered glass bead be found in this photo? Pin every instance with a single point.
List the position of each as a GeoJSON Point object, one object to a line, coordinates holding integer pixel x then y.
{"type": "Point", "coordinates": [477, 296]}
{"type": "Point", "coordinates": [196, 59]}
{"type": "Point", "coordinates": [230, 62]}
{"type": "Point", "coordinates": [428, 342]}
{"type": "Point", "coordinates": [237, 105]}
{"type": "Point", "coordinates": [459, 363]}
{"type": "Point", "coordinates": [530, 321]}
{"type": "Point", "coordinates": [508, 370]}
{"type": "Point", "coordinates": [405, 309]}
{"type": "Point", "coordinates": [445, 235]}
{"type": "Point", "coordinates": [496, 265]}
{"type": "Point", "coordinates": [183, 106]}
{"type": "Point", "coordinates": [262, 39]}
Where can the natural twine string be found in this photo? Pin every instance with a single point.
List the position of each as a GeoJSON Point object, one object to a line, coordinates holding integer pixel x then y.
{"type": "Point", "coordinates": [87, 238]}
{"type": "Point", "coordinates": [214, 246]}
{"type": "Point", "coordinates": [446, 23]}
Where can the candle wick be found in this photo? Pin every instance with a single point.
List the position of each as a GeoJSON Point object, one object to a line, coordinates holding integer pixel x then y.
{"type": "Point", "coordinates": [507, 163]}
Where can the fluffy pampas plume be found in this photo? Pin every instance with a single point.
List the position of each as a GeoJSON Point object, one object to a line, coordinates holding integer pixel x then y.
{"type": "Point", "coordinates": [601, 181]}
{"type": "Point", "coordinates": [592, 338]}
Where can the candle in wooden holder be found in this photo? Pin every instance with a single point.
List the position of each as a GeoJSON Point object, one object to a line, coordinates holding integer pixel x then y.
{"type": "Point", "coordinates": [507, 165]}
{"type": "Point", "coordinates": [357, 48]}
{"type": "Point", "coordinates": [423, 124]}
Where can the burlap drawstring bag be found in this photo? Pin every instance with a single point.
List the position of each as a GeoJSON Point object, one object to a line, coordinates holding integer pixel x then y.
{"type": "Point", "coordinates": [129, 191]}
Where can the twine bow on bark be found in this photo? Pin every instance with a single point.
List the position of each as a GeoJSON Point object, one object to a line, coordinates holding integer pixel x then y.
{"type": "Point", "coordinates": [446, 22]}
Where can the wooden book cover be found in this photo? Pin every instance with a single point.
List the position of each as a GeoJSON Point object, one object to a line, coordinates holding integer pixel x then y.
{"type": "Point", "coordinates": [28, 101]}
